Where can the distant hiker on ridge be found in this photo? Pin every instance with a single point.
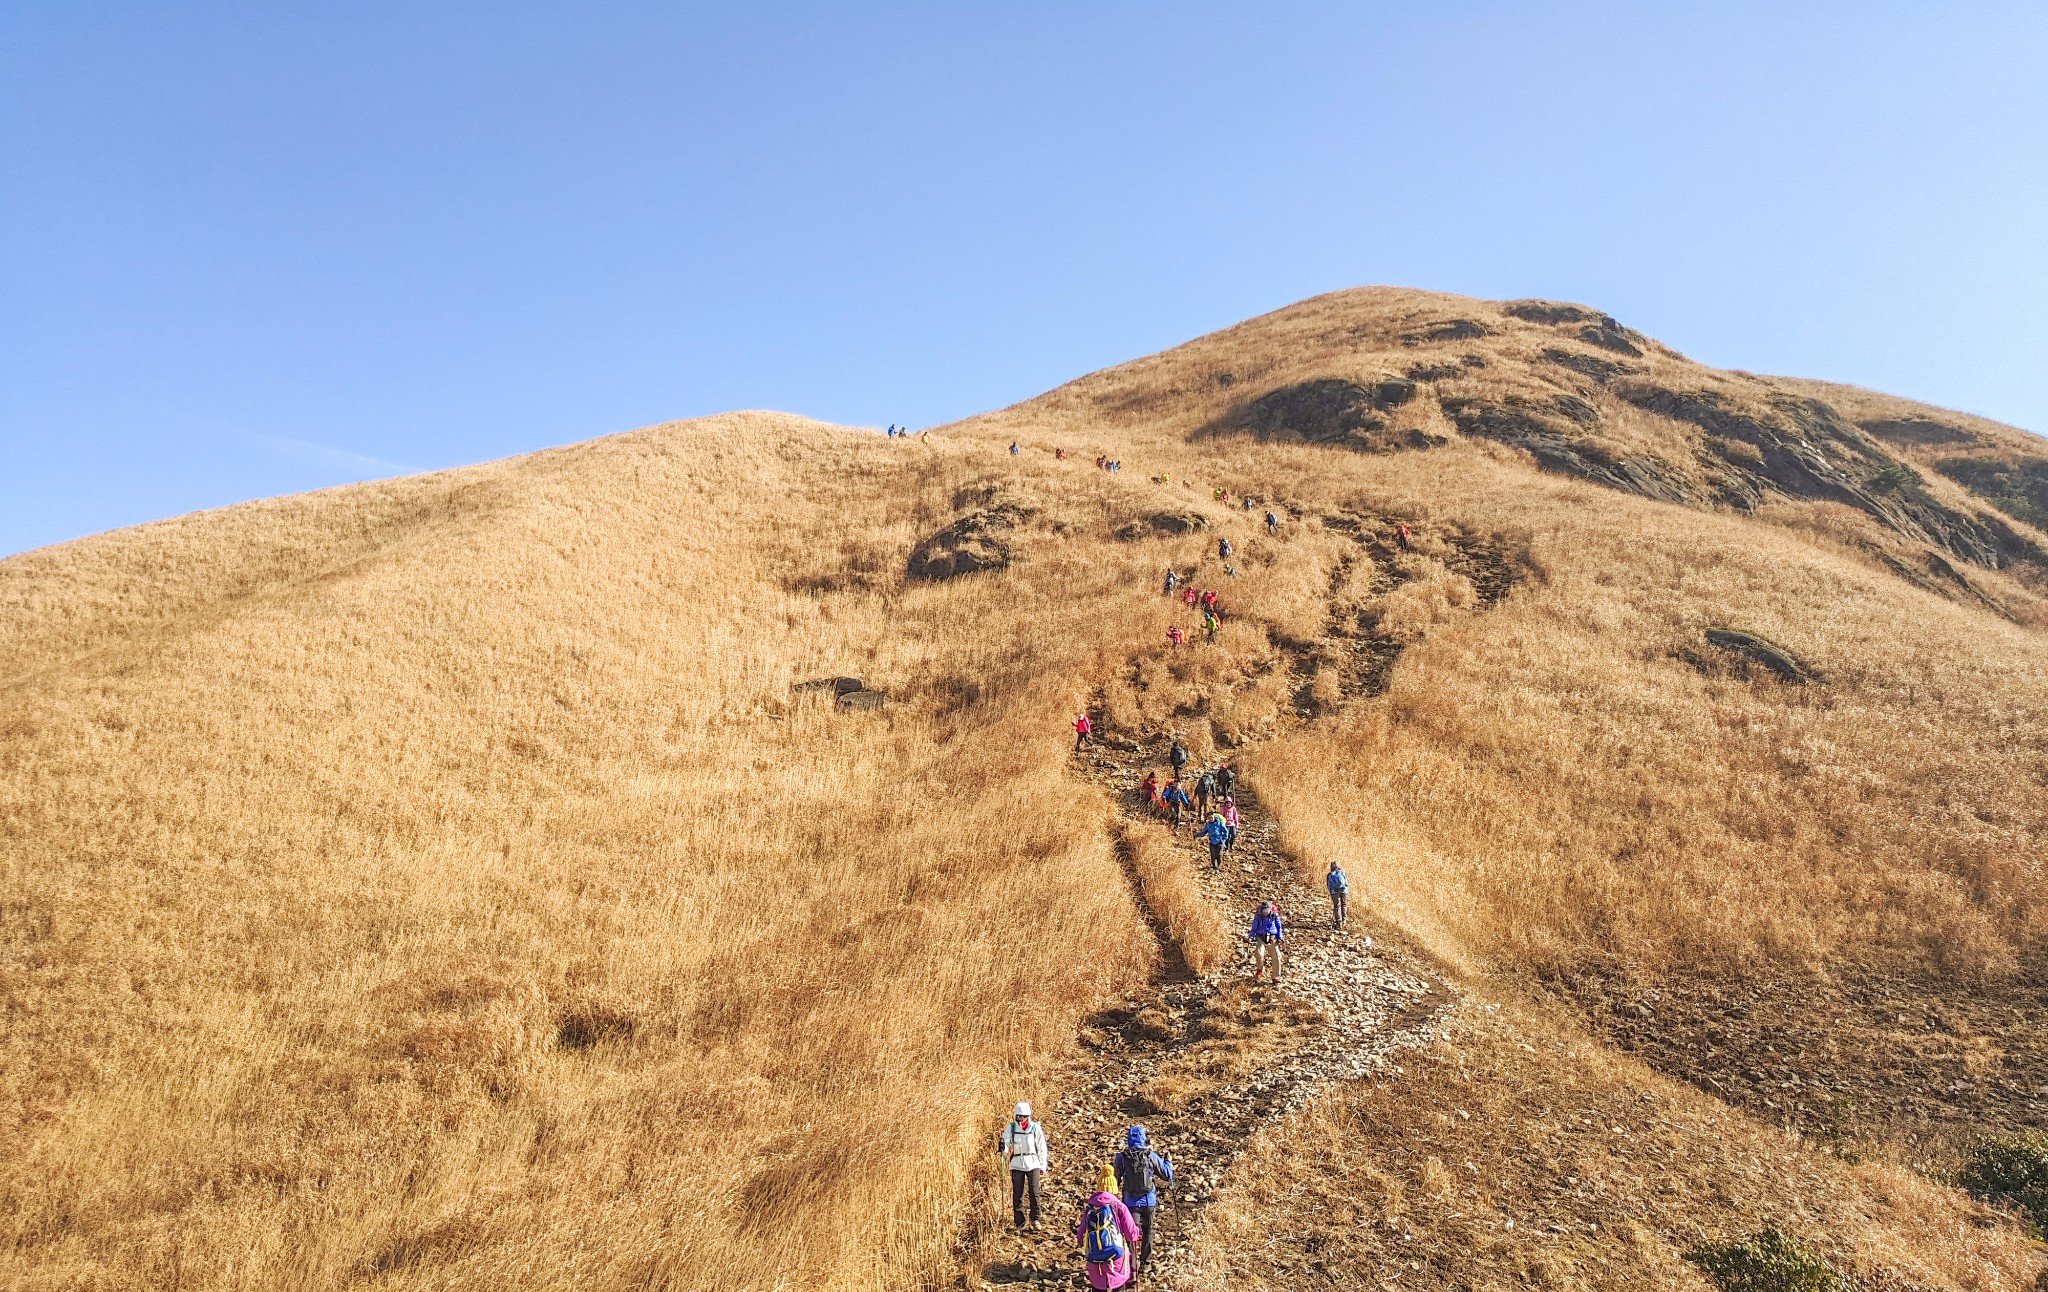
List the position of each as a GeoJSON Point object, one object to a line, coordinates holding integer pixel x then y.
{"type": "Point", "coordinates": [1106, 1234]}
{"type": "Point", "coordinates": [1138, 1171]}
{"type": "Point", "coordinates": [1339, 885]}
{"type": "Point", "coordinates": [1029, 1157]}
{"type": "Point", "coordinates": [1266, 936]}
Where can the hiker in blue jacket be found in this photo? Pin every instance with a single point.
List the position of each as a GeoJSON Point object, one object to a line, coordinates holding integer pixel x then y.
{"type": "Point", "coordinates": [1266, 935]}
{"type": "Point", "coordinates": [1139, 1172]}
{"type": "Point", "coordinates": [1176, 802]}
{"type": "Point", "coordinates": [1217, 832]}
{"type": "Point", "coordinates": [1339, 885]}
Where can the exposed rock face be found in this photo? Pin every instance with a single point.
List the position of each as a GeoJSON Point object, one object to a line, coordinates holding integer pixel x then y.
{"type": "Point", "coordinates": [836, 685]}
{"type": "Point", "coordinates": [977, 541]}
{"type": "Point", "coordinates": [1548, 436]}
{"type": "Point", "coordinates": [1917, 430]}
{"type": "Point", "coordinates": [1328, 410]}
{"type": "Point", "coordinates": [862, 700]}
{"type": "Point", "coordinates": [2015, 486]}
{"type": "Point", "coordinates": [1548, 312]}
{"type": "Point", "coordinates": [1588, 365]}
{"type": "Point", "coordinates": [1805, 449]}
{"type": "Point", "coordinates": [1758, 650]}
{"type": "Point", "coordinates": [1448, 330]}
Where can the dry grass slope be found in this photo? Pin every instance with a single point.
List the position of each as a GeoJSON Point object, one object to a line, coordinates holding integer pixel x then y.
{"type": "Point", "coordinates": [435, 883]}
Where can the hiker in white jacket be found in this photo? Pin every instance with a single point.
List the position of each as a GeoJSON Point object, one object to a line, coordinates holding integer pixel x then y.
{"type": "Point", "coordinates": [1029, 1157]}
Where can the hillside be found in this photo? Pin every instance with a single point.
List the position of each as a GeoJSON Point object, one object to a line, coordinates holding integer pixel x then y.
{"type": "Point", "coordinates": [444, 883]}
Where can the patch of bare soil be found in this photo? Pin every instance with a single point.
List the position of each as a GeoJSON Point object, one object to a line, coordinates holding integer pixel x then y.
{"type": "Point", "coordinates": [1518, 1152]}
{"type": "Point", "coordinates": [1916, 1066]}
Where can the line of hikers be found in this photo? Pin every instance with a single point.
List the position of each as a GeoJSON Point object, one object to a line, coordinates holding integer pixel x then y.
{"type": "Point", "coordinates": [1116, 1218]}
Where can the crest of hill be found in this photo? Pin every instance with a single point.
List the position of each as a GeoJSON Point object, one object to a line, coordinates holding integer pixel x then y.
{"type": "Point", "coordinates": [1574, 391]}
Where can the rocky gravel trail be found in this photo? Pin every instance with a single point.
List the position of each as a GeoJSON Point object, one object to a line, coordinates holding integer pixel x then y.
{"type": "Point", "coordinates": [1348, 1000]}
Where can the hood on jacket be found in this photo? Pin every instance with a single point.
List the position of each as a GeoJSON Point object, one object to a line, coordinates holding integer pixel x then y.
{"type": "Point", "coordinates": [1023, 1107]}
{"type": "Point", "coordinates": [1135, 1137]}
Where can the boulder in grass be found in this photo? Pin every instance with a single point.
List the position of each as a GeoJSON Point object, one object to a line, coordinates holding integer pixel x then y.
{"type": "Point", "coordinates": [836, 685]}
{"type": "Point", "coordinates": [1757, 650]}
{"type": "Point", "coordinates": [862, 699]}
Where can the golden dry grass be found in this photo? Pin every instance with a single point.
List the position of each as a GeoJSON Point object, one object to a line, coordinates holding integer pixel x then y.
{"type": "Point", "coordinates": [1166, 880]}
{"type": "Point", "coordinates": [434, 882]}
{"type": "Point", "coordinates": [1518, 1153]}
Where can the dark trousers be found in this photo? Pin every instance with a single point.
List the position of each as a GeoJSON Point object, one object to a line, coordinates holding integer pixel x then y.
{"type": "Point", "coordinates": [1215, 854]}
{"type": "Point", "coordinates": [1337, 907]}
{"type": "Point", "coordinates": [1023, 1183]}
{"type": "Point", "coordinates": [1143, 1215]}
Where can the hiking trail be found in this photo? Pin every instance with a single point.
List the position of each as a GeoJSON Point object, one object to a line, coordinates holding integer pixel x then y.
{"type": "Point", "coordinates": [1206, 1062]}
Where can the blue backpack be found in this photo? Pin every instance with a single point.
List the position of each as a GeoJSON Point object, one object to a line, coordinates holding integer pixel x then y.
{"type": "Point", "coordinates": [1103, 1242]}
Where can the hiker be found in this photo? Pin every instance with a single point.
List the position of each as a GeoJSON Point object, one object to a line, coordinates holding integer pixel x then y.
{"type": "Point", "coordinates": [1106, 1234]}
{"type": "Point", "coordinates": [1084, 730]}
{"type": "Point", "coordinates": [1230, 570]}
{"type": "Point", "coordinates": [1226, 779]}
{"type": "Point", "coordinates": [1177, 635]}
{"type": "Point", "coordinates": [1013, 448]}
{"type": "Point", "coordinates": [1148, 789]}
{"type": "Point", "coordinates": [1231, 819]}
{"type": "Point", "coordinates": [1176, 800]}
{"type": "Point", "coordinates": [892, 430]}
{"type": "Point", "coordinates": [1401, 536]}
{"type": "Point", "coordinates": [1205, 790]}
{"type": "Point", "coordinates": [1266, 935]}
{"type": "Point", "coordinates": [1178, 756]}
{"type": "Point", "coordinates": [1209, 599]}
{"type": "Point", "coordinates": [1211, 625]}
{"type": "Point", "coordinates": [1061, 454]}
{"type": "Point", "coordinates": [1272, 523]}
{"type": "Point", "coordinates": [1190, 597]}
{"type": "Point", "coordinates": [1223, 549]}
{"type": "Point", "coordinates": [1029, 1157]}
{"type": "Point", "coordinates": [1339, 885]}
{"type": "Point", "coordinates": [1172, 580]}
{"type": "Point", "coordinates": [1156, 800]}
{"type": "Point", "coordinates": [1217, 832]}
{"type": "Point", "coordinates": [1138, 1173]}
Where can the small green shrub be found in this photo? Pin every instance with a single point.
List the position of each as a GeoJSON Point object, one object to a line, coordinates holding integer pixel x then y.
{"type": "Point", "coordinates": [2011, 1171]}
{"type": "Point", "coordinates": [1769, 1261]}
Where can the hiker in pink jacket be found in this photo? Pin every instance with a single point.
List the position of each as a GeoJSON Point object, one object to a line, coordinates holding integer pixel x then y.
{"type": "Point", "coordinates": [1107, 1230]}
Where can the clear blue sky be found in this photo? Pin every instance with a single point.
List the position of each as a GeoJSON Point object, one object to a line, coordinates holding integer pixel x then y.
{"type": "Point", "coordinates": [251, 249]}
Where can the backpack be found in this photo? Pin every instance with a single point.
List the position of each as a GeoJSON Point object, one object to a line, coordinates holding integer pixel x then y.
{"type": "Point", "coordinates": [1134, 1170]}
{"type": "Point", "coordinates": [1103, 1242]}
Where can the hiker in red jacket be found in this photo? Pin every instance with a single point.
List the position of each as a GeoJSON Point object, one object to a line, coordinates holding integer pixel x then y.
{"type": "Point", "coordinates": [1177, 635]}
{"type": "Point", "coordinates": [1401, 535]}
{"type": "Point", "coordinates": [1083, 729]}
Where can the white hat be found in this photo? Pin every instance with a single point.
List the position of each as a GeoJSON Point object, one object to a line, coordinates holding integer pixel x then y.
{"type": "Point", "coordinates": [1023, 1107]}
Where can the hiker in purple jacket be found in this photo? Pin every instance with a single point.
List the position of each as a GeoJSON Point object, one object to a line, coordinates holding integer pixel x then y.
{"type": "Point", "coordinates": [1266, 936]}
{"type": "Point", "coordinates": [1106, 1235]}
